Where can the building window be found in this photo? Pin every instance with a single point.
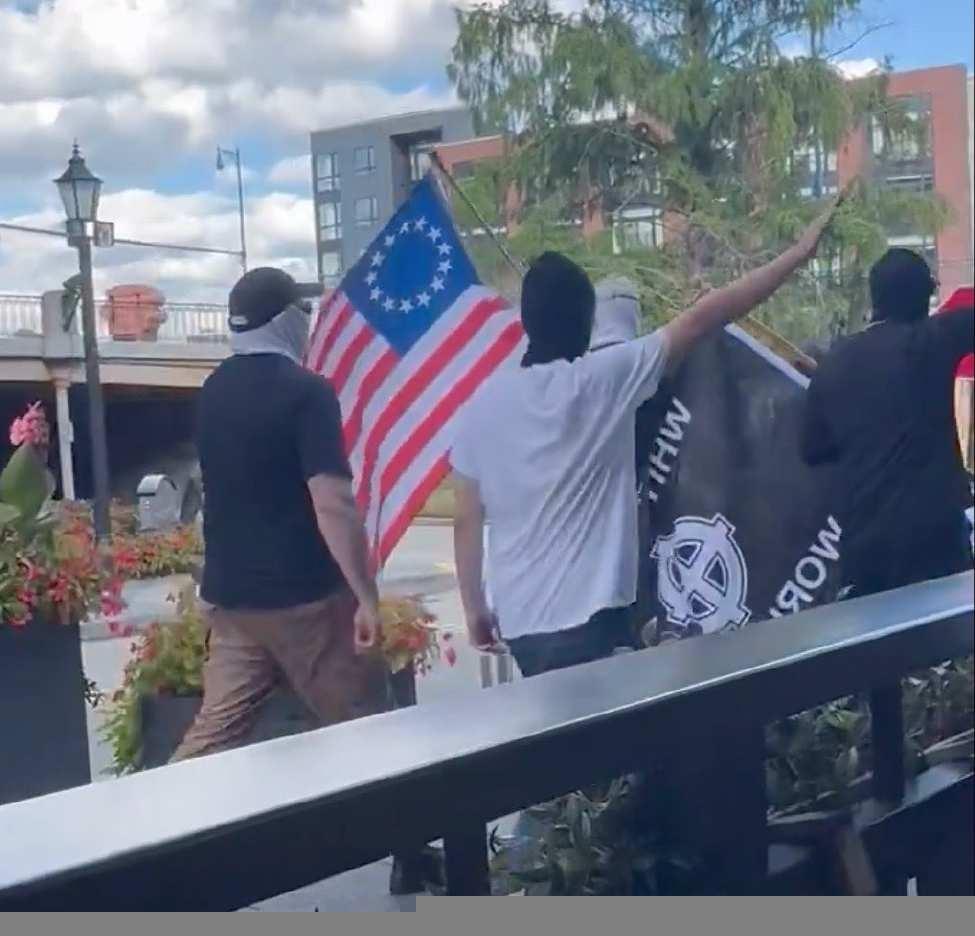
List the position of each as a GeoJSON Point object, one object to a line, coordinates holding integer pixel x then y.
{"type": "Point", "coordinates": [366, 210]}
{"type": "Point", "coordinates": [364, 159]}
{"type": "Point", "coordinates": [330, 220]}
{"type": "Point", "coordinates": [331, 266]}
{"type": "Point", "coordinates": [641, 228]}
{"type": "Point", "coordinates": [420, 160]}
{"type": "Point", "coordinates": [910, 140]}
{"type": "Point", "coordinates": [922, 182]}
{"type": "Point", "coordinates": [804, 170]}
{"type": "Point", "coordinates": [829, 268]}
{"type": "Point", "coordinates": [327, 172]}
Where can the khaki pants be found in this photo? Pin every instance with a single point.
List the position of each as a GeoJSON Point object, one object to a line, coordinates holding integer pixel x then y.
{"type": "Point", "coordinates": [311, 646]}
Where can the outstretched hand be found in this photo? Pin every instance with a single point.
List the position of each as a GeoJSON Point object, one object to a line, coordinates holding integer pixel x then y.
{"type": "Point", "coordinates": [809, 242]}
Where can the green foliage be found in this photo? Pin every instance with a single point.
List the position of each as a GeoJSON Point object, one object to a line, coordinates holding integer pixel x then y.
{"type": "Point", "coordinates": [603, 841]}
{"type": "Point", "coordinates": [596, 842]}
{"type": "Point", "coordinates": [25, 487]}
{"type": "Point", "coordinates": [47, 566]}
{"type": "Point", "coordinates": [166, 660]}
{"type": "Point", "coordinates": [688, 105]}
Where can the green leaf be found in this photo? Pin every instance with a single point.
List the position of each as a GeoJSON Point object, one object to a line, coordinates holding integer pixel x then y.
{"type": "Point", "coordinates": [8, 514]}
{"type": "Point", "coordinates": [25, 484]}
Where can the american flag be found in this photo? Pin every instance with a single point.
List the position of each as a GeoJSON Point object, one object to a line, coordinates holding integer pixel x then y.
{"type": "Point", "coordinates": [406, 339]}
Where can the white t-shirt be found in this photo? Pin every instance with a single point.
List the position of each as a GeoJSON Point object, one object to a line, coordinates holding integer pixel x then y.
{"type": "Point", "coordinates": [551, 448]}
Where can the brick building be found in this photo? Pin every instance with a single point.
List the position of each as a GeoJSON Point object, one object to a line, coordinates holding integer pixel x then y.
{"type": "Point", "coordinates": [940, 99]}
{"type": "Point", "coordinates": [363, 172]}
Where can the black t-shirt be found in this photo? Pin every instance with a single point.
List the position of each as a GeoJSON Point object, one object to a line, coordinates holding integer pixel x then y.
{"type": "Point", "coordinates": [266, 426]}
{"type": "Point", "coordinates": [880, 410]}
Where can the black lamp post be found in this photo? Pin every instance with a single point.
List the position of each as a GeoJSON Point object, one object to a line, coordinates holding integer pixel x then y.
{"type": "Point", "coordinates": [79, 190]}
{"type": "Point", "coordinates": [234, 154]}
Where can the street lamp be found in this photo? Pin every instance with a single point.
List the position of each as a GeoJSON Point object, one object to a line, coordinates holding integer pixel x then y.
{"type": "Point", "coordinates": [79, 190]}
{"type": "Point", "coordinates": [234, 154]}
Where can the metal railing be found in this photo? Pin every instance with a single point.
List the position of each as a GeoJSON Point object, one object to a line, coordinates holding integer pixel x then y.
{"type": "Point", "coordinates": [231, 829]}
{"type": "Point", "coordinates": [190, 322]}
{"type": "Point", "coordinates": [20, 315]}
{"type": "Point", "coordinates": [194, 321]}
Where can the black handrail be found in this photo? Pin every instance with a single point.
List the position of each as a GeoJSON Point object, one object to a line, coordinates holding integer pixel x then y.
{"type": "Point", "coordinates": [234, 828]}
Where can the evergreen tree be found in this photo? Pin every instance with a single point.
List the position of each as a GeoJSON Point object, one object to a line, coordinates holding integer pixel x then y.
{"type": "Point", "coordinates": [690, 106]}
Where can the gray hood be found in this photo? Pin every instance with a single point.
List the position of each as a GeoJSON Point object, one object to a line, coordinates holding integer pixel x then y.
{"type": "Point", "coordinates": [617, 312]}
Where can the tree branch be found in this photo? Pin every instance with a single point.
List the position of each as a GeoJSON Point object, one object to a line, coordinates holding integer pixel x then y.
{"type": "Point", "coordinates": [869, 31]}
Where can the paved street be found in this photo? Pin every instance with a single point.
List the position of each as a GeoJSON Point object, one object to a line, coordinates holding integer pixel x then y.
{"type": "Point", "coordinates": [423, 564]}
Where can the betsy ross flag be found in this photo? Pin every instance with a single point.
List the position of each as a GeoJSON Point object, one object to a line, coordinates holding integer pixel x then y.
{"type": "Point", "coordinates": [406, 339]}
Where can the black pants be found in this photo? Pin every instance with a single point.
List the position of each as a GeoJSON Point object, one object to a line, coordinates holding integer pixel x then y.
{"type": "Point", "coordinates": [932, 552]}
{"type": "Point", "coordinates": [595, 640]}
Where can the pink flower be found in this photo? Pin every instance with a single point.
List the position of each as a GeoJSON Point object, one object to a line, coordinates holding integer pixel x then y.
{"type": "Point", "coordinates": [450, 655]}
{"type": "Point", "coordinates": [31, 428]}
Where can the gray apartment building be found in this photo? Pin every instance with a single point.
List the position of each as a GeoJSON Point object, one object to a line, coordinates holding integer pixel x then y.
{"type": "Point", "coordinates": [363, 172]}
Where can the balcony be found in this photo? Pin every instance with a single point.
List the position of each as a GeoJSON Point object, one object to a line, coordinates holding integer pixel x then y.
{"type": "Point", "coordinates": [22, 316]}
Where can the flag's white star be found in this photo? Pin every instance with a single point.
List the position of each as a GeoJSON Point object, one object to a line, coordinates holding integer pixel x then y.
{"type": "Point", "coordinates": [437, 284]}
{"type": "Point", "coordinates": [389, 305]}
{"type": "Point", "coordinates": [406, 306]}
{"type": "Point", "coordinates": [434, 234]}
{"type": "Point", "coordinates": [423, 299]}
{"type": "Point", "coordinates": [371, 278]}
{"type": "Point", "coordinates": [390, 240]}
{"type": "Point", "coordinates": [445, 267]}
{"type": "Point", "coordinates": [445, 249]}
{"type": "Point", "coordinates": [376, 294]}
{"type": "Point", "coordinates": [405, 227]}
{"type": "Point", "coordinates": [421, 224]}
{"type": "Point", "coordinates": [377, 258]}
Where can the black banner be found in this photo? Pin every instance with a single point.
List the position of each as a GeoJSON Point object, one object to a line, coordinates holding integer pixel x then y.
{"type": "Point", "coordinates": [739, 528]}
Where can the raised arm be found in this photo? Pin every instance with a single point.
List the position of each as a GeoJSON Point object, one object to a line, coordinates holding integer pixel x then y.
{"type": "Point", "coordinates": [734, 301]}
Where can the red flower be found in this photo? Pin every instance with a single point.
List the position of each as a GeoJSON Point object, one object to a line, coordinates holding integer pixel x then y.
{"type": "Point", "coordinates": [26, 597]}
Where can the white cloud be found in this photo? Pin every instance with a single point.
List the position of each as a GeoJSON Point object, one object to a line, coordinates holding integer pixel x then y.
{"type": "Point", "coordinates": [150, 86]}
{"type": "Point", "coordinates": [859, 68]}
{"type": "Point", "coordinates": [80, 47]}
{"type": "Point", "coordinates": [280, 232]}
{"type": "Point", "coordinates": [293, 171]}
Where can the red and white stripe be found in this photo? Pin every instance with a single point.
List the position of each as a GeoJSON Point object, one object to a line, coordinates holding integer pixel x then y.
{"type": "Point", "coordinates": [399, 414]}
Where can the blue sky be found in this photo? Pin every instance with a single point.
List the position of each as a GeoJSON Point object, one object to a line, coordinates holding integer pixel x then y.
{"type": "Point", "coordinates": [150, 87]}
{"type": "Point", "coordinates": [923, 33]}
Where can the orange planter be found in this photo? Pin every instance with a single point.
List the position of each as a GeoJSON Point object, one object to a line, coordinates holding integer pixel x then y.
{"type": "Point", "coordinates": [134, 313]}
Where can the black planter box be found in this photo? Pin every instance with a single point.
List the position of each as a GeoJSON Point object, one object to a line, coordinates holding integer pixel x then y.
{"type": "Point", "coordinates": [165, 719]}
{"type": "Point", "coordinates": [43, 730]}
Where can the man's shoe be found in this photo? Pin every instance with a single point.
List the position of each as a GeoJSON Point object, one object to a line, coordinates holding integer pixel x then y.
{"type": "Point", "coordinates": [413, 872]}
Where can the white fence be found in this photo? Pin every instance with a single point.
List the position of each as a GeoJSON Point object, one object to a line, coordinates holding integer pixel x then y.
{"type": "Point", "coordinates": [21, 316]}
